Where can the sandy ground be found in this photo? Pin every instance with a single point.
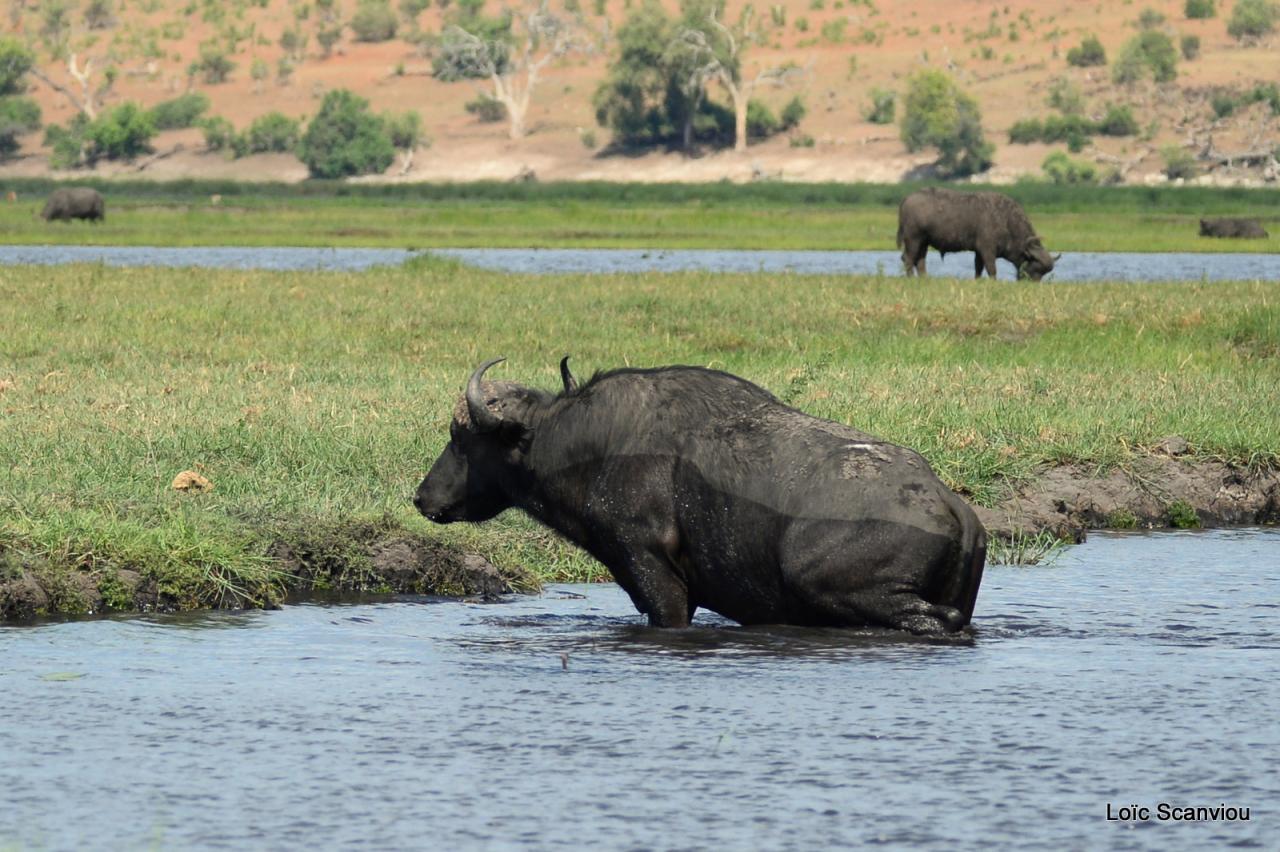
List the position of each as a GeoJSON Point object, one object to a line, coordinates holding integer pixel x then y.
{"type": "Point", "coordinates": [1004, 53]}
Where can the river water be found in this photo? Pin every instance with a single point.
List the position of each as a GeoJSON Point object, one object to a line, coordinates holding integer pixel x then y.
{"type": "Point", "coordinates": [1135, 669]}
{"type": "Point", "coordinates": [1079, 266]}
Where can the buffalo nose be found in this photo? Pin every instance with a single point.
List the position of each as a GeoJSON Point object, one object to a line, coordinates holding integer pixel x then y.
{"type": "Point", "coordinates": [417, 502]}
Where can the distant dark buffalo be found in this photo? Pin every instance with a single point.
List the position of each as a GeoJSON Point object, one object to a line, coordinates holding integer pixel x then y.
{"type": "Point", "coordinates": [696, 488]}
{"type": "Point", "coordinates": [76, 202]}
{"type": "Point", "coordinates": [1232, 228]}
{"type": "Point", "coordinates": [988, 224]}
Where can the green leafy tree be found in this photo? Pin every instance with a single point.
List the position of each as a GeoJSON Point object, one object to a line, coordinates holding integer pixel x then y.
{"type": "Point", "coordinates": [122, 133]}
{"type": "Point", "coordinates": [883, 108]}
{"type": "Point", "coordinates": [1089, 53]}
{"type": "Point", "coordinates": [1061, 169]}
{"type": "Point", "coordinates": [1150, 52]}
{"type": "Point", "coordinates": [1199, 9]}
{"type": "Point", "coordinates": [936, 114]}
{"type": "Point", "coordinates": [345, 139]}
{"type": "Point", "coordinates": [710, 50]}
{"type": "Point", "coordinates": [1252, 19]}
{"type": "Point", "coordinates": [213, 65]}
{"type": "Point", "coordinates": [219, 133]}
{"type": "Point", "coordinates": [374, 21]}
{"type": "Point", "coordinates": [18, 116]}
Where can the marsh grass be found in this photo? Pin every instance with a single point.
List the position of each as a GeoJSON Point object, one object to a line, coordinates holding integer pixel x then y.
{"type": "Point", "coordinates": [321, 398]}
{"type": "Point", "coordinates": [593, 215]}
{"type": "Point", "coordinates": [1042, 548]}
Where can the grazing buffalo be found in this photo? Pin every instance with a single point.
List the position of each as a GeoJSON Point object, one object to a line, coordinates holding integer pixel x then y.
{"type": "Point", "coordinates": [696, 488]}
{"type": "Point", "coordinates": [988, 224]}
{"type": "Point", "coordinates": [1232, 228]}
{"type": "Point", "coordinates": [77, 202]}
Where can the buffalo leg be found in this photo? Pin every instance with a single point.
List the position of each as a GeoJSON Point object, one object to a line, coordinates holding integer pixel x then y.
{"type": "Point", "coordinates": [902, 610]}
{"type": "Point", "coordinates": [990, 261]}
{"type": "Point", "coordinates": [655, 589]}
{"type": "Point", "coordinates": [978, 265]}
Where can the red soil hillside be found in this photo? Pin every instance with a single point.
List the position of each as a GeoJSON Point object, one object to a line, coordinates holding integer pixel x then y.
{"type": "Point", "coordinates": [1005, 54]}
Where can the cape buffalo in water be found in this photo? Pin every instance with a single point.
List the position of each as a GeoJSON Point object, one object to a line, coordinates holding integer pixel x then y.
{"type": "Point", "coordinates": [988, 224]}
{"type": "Point", "coordinates": [1232, 228]}
{"type": "Point", "coordinates": [77, 202]}
{"type": "Point", "coordinates": [696, 488]}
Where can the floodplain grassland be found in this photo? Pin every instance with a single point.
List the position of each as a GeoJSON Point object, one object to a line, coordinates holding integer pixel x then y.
{"type": "Point", "coordinates": [591, 215]}
{"type": "Point", "coordinates": [318, 400]}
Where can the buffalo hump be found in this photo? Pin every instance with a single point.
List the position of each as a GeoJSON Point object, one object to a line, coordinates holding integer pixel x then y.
{"type": "Point", "coordinates": [77, 202]}
{"type": "Point", "coordinates": [1229, 227]}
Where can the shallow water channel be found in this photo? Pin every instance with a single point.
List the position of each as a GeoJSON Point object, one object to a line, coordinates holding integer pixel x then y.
{"type": "Point", "coordinates": [1078, 266]}
{"type": "Point", "coordinates": [1136, 669]}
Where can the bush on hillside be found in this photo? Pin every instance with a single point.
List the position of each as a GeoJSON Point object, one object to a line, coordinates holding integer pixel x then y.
{"type": "Point", "coordinates": [1251, 19]}
{"type": "Point", "coordinates": [1150, 52]}
{"type": "Point", "coordinates": [1199, 9]}
{"type": "Point", "coordinates": [345, 139]}
{"type": "Point", "coordinates": [1090, 52]}
{"type": "Point", "coordinates": [182, 111]}
{"type": "Point", "coordinates": [374, 21]}
{"type": "Point", "coordinates": [936, 113]}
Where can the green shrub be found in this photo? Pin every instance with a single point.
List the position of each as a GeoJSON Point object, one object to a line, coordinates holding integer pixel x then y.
{"type": "Point", "coordinates": [68, 143]}
{"type": "Point", "coordinates": [793, 113]}
{"type": "Point", "coordinates": [1268, 93]}
{"type": "Point", "coordinates": [1119, 121]}
{"type": "Point", "coordinates": [16, 59]}
{"type": "Point", "coordinates": [1026, 131]}
{"type": "Point", "coordinates": [345, 139]}
{"type": "Point", "coordinates": [936, 113]}
{"type": "Point", "coordinates": [1065, 96]}
{"type": "Point", "coordinates": [1178, 163]}
{"type": "Point", "coordinates": [18, 116]}
{"type": "Point", "coordinates": [1149, 19]}
{"type": "Point", "coordinates": [1190, 45]}
{"type": "Point", "coordinates": [884, 106]}
{"type": "Point", "coordinates": [219, 133]}
{"type": "Point", "coordinates": [1224, 103]}
{"type": "Point", "coordinates": [182, 111]}
{"type": "Point", "coordinates": [404, 129]}
{"type": "Point", "coordinates": [374, 21]}
{"type": "Point", "coordinates": [1061, 169]}
{"type": "Point", "coordinates": [761, 122]}
{"type": "Point", "coordinates": [802, 140]}
{"type": "Point", "coordinates": [122, 133]}
{"type": "Point", "coordinates": [1148, 52]}
{"type": "Point", "coordinates": [1252, 19]}
{"type": "Point", "coordinates": [1182, 515]}
{"type": "Point", "coordinates": [1199, 9]}
{"type": "Point", "coordinates": [1090, 52]}
{"type": "Point", "coordinates": [273, 132]}
{"type": "Point", "coordinates": [486, 108]}
{"type": "Point", "coordinates": [213, 65]}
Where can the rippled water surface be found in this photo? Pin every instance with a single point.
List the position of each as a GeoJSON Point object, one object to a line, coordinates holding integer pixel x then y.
{"type": "Point", "coordinates": [1137, 669]}
{"type": "Point", "coordinates": [1077, 266]}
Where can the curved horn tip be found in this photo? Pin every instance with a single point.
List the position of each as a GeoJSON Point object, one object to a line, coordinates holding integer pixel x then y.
{"type": "Point", "coordinates": [566, 376]}
{"type": "Point", "coordinates": [481, 417]}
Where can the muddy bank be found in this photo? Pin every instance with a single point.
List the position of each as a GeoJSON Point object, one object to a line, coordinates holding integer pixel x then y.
{"type": "Point", "coordinates": [299, 564]}
{"type": "Point", "coordinates": [1155, 492]}
{"type": "Point", "coordinates": [316, 560]}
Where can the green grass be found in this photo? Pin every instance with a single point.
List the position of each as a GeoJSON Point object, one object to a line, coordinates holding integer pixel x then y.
{"type": "Point", "coordinates": [760, 216]}
{"type": "Point", "coordinates": [321, 398]}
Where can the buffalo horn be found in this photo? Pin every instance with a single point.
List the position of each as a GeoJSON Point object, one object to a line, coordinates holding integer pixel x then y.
{"type": "Point", "coordinates": [570, 383]}
{"type": "Point", "coordinates": [482, 419]}
{"type": "Point", "coordinates": [1057, 257]}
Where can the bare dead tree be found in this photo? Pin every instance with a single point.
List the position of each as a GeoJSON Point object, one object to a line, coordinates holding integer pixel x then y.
{"type": "Point", "coordinates": [513, 69]}
{"type": "Point", "coordinates": [723, 64]}
{"type": "Point", "coordinates": [91, 95]}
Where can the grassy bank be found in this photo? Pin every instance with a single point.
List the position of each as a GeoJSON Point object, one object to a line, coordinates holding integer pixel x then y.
{"type": "Point", "coordinates": [761, 216]}
{"type": "Point", "coordinates": [314, 402]}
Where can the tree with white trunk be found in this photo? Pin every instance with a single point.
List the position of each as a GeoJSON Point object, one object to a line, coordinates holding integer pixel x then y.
{"type": "Point", "coordinates": [513, 59]}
